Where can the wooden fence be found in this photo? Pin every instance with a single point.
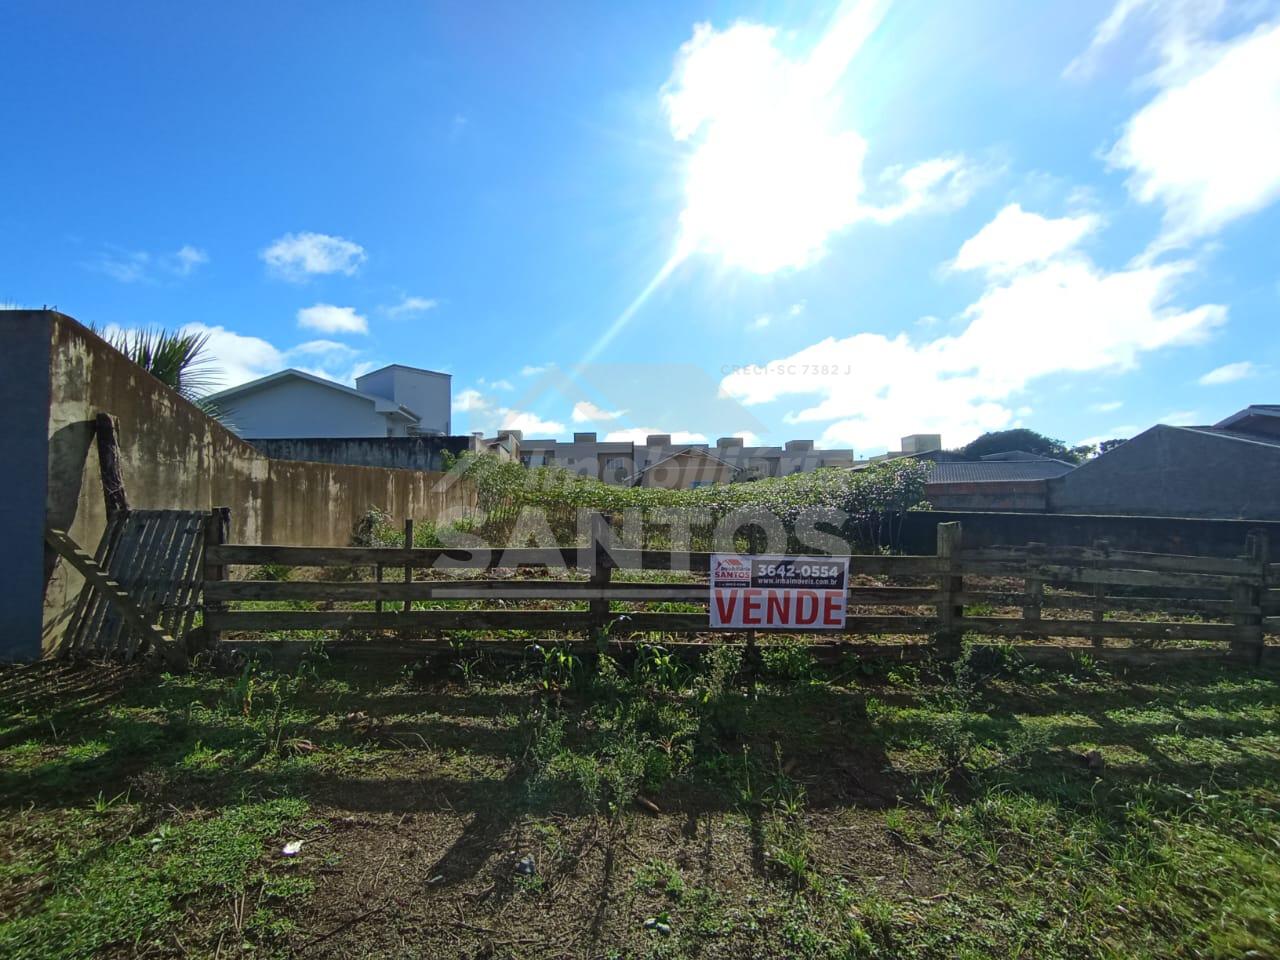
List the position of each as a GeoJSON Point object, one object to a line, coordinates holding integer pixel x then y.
{"type": "Point", "coordinates": [1063, 592]}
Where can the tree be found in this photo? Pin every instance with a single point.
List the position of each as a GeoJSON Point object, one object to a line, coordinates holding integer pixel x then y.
{"type": "Point", "coordinates": [1106, 445]}
{"type": "Point", "coordinates": [180, 361]}
{"type": "Point", "coordinates": [1005, 441]}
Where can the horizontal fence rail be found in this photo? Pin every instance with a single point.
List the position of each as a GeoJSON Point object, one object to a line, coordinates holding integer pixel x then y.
{"type": "Point", "coordinates": [1027, 591]}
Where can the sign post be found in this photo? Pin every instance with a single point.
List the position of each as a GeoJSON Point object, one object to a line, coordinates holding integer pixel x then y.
{"type": "Point", "coordinates": [778, 592]}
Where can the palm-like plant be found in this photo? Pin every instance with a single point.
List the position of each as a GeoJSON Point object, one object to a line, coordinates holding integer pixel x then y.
{"type": "Point", "coordinates": [179, 360]}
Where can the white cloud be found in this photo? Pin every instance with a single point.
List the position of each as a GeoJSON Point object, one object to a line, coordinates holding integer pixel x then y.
{"type": "Point", "coordinates": [500, 385]}
{"type": "Point", "coordinates": [587, 412]}
{"type": "Point", "coordinates": [327, 318]}
{"type": "Point", "coordinates": [470, 400]}
{"type": "Point", "coordinates": [124, 265]}
{"type": "Point", "coordinates": [1180, 418]}
{"type": "Point", "coordinates": [488, 417]}
{"type": "Point", "coordinates": [1229, 373]}
{"type": "Point", "coordinates": [1207, 147]}
{"type": "Point", "coordinates": [296, 256]}
{"type": "Point", "coordinates": [760, 322]}
{"type": "Point", "coordinates": [133, 266]}
{"type": "Point", "coordinates": [642, 434]}
{"type": "Point", "coordinates": [1016, 238]}
{"type": "Point", "coordinates": [1062, 315]}
{"type": "Point", "coordinates": [529, 423]}
{"type": "Point", "coordinates": [237, 358]}
{"type": "Point", "coordinates": [412, 305]}
{"type": "Point", "coordinates": [322, 347]}
{"type": "Point", "coordinates": [937, 185]}
{"type": "Point", "coordinates": [528, 370]}
{"type": "Point", "coordinates": [187, 259]}
{"type": "Point", "coordinates": [796, 309]}
{"type": "Point", "coordinates": [773, 169]}
{"type": "Point", "coordinates": [1108, 406]}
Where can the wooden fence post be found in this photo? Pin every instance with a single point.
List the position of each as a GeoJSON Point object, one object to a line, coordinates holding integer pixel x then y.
{"type": "Point", "coordinates": [1033, 601]}
{"type": "Point", "coordinates": [107, 430]}
{"type": "Point", "coordinates": [950, 586]}
{"type": "Point", "coordinates": [408, 570]}
{"type": "Point", "coordinates": [217, 531]}
{"type": "Point", "coordinates": [601, 574]}
{"type": "Point", "coordinates": [1103, 550]}
{"type": "Point", "coordinates": [1246, 599]}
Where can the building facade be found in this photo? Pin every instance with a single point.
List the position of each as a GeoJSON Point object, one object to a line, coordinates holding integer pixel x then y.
{"type": "Point", "coordinates": [395, 401]}
{"type": "Point", "coordinates": [660, 462]}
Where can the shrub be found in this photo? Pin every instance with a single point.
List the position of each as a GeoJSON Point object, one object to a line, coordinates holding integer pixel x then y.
{"type": "Point", "coordinates": [861, 507]}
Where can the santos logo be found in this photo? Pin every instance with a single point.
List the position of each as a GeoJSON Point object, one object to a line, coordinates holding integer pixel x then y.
{"type": "Point", "coordinates": [731, 568]}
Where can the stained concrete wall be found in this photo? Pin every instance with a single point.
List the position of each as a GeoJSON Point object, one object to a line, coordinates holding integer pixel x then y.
{"type": "Point", "coordinates": [399, 453]}
{"type": "Point", "coordinates": [172, 456]}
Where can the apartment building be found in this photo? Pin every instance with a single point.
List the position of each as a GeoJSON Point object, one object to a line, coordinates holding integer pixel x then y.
{"type": "Point", "coordinates": [658, 462]}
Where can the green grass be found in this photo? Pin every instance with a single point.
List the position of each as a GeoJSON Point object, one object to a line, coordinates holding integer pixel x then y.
{"type": "Point", "coordinates": [987, 808]}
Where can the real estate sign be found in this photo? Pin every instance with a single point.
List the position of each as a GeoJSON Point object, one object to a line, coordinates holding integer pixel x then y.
{"type": "Point", "coordinates": [771, 593]}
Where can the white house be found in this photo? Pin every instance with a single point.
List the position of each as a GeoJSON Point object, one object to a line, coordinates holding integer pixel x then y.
{"type": "Point", "coordinates": [395, 401]}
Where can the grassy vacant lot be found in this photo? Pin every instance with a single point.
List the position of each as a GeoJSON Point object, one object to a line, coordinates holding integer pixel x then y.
{"type": "Point", "coordinates": [867, 810]}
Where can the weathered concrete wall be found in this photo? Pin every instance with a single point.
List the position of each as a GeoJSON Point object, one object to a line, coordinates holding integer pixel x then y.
{"type": "Point", "coordinates": [24, 393]}
{"type": "Point", "coordinates": [173, 456]}
{"type": "Point", "coordinates": [1021, 496]}
{"type": "Point", "coordinates": [1169, 472]}
{"type": "Point", "coordinates": [1201, 537]}
{"type": "Point", "coordinates": [399, 453]}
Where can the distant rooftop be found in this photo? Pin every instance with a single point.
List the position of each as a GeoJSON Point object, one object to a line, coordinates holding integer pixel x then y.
{"type": "Point", "coordinates": [990, 471]}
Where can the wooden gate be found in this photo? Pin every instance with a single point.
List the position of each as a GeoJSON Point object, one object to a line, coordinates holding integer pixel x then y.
{"type": "Point", "coordinates": [155, 558]}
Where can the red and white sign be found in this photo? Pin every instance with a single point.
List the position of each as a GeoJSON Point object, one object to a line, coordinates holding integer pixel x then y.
{"type": "Point", "coordinates": [778, 593]}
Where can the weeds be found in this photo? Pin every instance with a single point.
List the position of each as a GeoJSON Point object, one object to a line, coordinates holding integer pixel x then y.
{"type": "Point", "coordinates": [930, 811]}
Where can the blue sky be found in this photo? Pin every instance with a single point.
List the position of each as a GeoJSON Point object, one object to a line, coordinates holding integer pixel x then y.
{"type": "Point", "coordinates": [841, 221]}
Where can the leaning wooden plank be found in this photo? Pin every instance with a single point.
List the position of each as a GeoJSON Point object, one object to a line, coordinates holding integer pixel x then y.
{"type": "Point", "coordinates": [178, 602]}
{"type": "Point", "coordinates": [1132, 629]}
{"type": "Point", "coordinates": [113, 630]}
{"type": "Point", "coordinates": [157, 572]}
{"type": "Point", "coordinates": [86, 604]}
{"type": "Point", "coordinates": [89, 569]}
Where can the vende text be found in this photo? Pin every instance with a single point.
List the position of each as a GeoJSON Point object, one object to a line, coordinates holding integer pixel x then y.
{"type": "Point", "coordinates": [772, 607]}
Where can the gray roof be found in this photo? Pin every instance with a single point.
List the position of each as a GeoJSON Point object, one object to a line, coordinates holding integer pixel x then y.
{"type": "Point", "coordinates": [994, 471]}
{"type": "Point", "coordinates": [1259, 438]}
{"type": "Point", "coordinates": [1253, 410]}
{"type": "Point", "coordinates": [380, 404]}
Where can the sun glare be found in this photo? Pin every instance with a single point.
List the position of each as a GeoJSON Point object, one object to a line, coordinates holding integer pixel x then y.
{"type": "Point", "coordinates": [770, 175]}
